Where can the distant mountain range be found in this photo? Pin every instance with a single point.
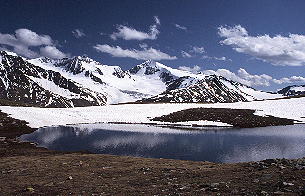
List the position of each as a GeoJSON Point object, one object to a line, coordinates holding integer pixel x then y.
{"type": "Point", "coordinates": [293, 90]}
{"type": "Point", "coordinates": [81, 81]}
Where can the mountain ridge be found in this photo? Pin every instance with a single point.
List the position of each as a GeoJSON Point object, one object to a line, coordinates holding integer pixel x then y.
{"type": "Point", "coordinates": [293, 90]}
{"type": "Point", "coordinates": [149, 81]}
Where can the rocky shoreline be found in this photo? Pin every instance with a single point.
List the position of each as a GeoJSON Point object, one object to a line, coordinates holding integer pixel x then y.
{"type": "Point", "coordinates": [29, 170]}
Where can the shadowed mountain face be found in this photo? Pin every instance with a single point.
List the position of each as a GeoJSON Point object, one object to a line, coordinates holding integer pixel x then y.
{"type": "Point", "coordinates": [81, 81]}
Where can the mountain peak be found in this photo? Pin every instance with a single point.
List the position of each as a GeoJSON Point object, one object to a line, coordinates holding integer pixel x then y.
{"type": "Point", "coordinates": [6, 52]}
{"type": "Point", "coordinates": [148, 63]}
{"type": "Point", "coordinates": [85, 59]}
{"type": "Point", "coordinates": [77, 64]}
{"type": "Point", "coordinates": [293, 90]}
{"type": "Point", "coordinates": [148, 67]}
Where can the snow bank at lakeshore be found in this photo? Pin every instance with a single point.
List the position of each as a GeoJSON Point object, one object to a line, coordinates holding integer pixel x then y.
{"type": "Point", "coordinates": [129, 113]}
{"type": "Point", "coordinates": [142, 113]}
{"type": "Point", "coordinates": [140, 128]}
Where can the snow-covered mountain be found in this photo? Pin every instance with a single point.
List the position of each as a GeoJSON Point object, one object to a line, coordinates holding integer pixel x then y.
{"type": "Point", "coordinates": [184, 86]}
{"type": "Point", "coordinates": [22, 81]}
{"type": "Point", "coordinates": [118, 85]}
{"type": "Point", "coordinates": [81, 81]}
{"type": "Point", "coordinates": [293, 90]}
{"type": "Point", "coordinates": [142, 81]}
{"type": "Point", "coordinates": [210, 89]}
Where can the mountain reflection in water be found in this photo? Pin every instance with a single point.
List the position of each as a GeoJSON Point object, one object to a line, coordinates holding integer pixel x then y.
{"type": "Point", "coordinates": [210, 144]}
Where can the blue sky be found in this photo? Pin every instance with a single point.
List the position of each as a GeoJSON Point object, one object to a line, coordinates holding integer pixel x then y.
{"type": "Point", "coordinates": [260, 43]}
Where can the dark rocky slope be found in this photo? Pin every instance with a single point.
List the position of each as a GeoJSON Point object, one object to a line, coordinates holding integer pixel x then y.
{"type": "Point", "coordinates": [243, 118]}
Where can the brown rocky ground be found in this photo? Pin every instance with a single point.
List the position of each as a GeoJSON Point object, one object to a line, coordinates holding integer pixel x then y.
{"type": "Point", "coordinates": [28, 170]}
{"type": "Point", "coordinates": [236, 117]}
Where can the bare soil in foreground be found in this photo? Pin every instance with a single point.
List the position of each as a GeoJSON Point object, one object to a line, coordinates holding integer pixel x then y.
{"type": "Point", "coordinates": [29, 170]}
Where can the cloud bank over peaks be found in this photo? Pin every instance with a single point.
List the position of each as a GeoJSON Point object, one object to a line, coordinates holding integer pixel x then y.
{"type": "Point", "coordinates": [129, 33]}
{"type": "Point", "coordinates": [52, 52]}
{"type": "Point", "coordinates": [26, 43]}
{"type": "Point", "coordinates": [244, 77]}
{"type": "Point", "coordinates": [194, 69]}
{"type": "Point", "coordinates": [144, 54]}
{"type": "Point", "coordinates": [277, 50]}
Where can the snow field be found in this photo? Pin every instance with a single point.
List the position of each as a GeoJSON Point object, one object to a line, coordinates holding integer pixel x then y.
{"type": "Point", "coordinates": [142, 113]}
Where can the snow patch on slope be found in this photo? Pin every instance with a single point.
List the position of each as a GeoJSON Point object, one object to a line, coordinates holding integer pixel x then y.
{"type": "Point", "coordinates": [298, 88]}
{"type": "Point", "coordinates": [52, 87]}
{"type": "Point", "coordinates": [249, 93]}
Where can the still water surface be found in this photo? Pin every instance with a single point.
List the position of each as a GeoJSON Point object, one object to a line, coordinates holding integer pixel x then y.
{"type": "Point", "coordinates": [210, 144]}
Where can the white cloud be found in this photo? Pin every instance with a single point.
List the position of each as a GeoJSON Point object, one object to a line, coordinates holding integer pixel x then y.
{"type": "Point", "coordinates": [197, 50]}
{"type": "Point", "coordinates": [157, 20]}
{"type": "Point", "coordinates": [223, 58]}
{"type": "Point", "coordinates": [8, 39]}
{"type": "Point", "coordinates": [250, 80]}
{"type": "Point", "coordinates": [292, 79]}
{"type": "Point", "coordinates": [254, 80]}
{"type": "Point", "coordinates": [129, 33]}
{"type": "Point", "coordinates": [235, 31]}
{"type": "Point", "coordinates": [246, 78]}
{"type": "Point", "coordinates": [180, 27]}
{"type": "Point", "coordinates": [25, 41]}
{"type": "Point", "coordinates": [194, 51]}
{"type": "Point", "coordinates": [194, 69]}
{"type": "Point", "coordinates": [243, 77]}
{"type": "Point", "coordinates": [52, 52]}
{"type": "Point", "coordinates": [185, 54]}
{"type": "Point", "coordinates": [144, 54]}
{"type": "Point", "coordinates": [30, 38]}
{"type": "Point", "coordinates": [25, 51]}
{"type": "Point", "coordinates": [143, 45]}
{"type": "Point", "coordinates": [3, 48]}
{"type": "Point", "coordinates": [277, 50]}
{"type": "Point", "coordinates": [78, 33]}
